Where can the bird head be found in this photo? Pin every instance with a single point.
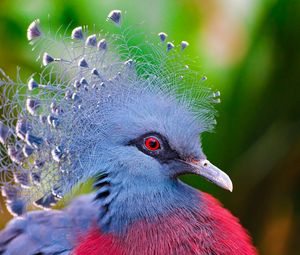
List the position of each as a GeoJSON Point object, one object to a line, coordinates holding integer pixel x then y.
{"type": "Point", "coordinates": [150, 136]}
{"type": "Point", "coordinates": [103, 107]}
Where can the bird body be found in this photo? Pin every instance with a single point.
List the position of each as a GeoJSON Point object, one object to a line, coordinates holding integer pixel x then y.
{"type": "Point", "coordinates": [202, 227]}
{"type": "Point", "coordinates": [104, 111]}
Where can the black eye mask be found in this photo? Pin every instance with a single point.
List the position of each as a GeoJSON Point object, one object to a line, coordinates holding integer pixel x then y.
{"type": "Point", "coordinates": [163, 153]}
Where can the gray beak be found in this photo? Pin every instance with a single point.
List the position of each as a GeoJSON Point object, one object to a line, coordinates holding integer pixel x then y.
{"type": "Point", "coordinates": [211, 173]}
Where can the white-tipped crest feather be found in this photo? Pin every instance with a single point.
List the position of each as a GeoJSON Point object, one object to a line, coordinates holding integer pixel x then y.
{"type": "Point", "coordinates": [44, 144]}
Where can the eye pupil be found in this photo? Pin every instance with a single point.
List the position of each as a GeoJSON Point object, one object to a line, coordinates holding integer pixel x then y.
{"type": "Point", "coordinates": [152, 143]}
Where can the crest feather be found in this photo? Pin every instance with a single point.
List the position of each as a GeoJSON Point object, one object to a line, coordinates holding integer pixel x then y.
{"type": "Point", "coordinates": [48, 123]}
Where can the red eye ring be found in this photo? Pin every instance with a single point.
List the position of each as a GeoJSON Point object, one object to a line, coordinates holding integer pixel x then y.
{"type": "Point", "coordinates": [152, 143]}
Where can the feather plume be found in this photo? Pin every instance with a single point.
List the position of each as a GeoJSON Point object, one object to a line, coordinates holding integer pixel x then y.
{"type": "Point", "coordinates": [50, 124]}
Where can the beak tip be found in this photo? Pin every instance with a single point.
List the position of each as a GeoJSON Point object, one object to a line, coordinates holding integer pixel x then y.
{"type": "Point", "coordinates": [229, 186]}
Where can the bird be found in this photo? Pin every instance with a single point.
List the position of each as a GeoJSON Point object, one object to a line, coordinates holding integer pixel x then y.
{"type": "Point", "coordinates": [127, 117]}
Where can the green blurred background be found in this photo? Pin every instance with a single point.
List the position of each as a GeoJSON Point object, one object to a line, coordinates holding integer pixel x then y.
{"type": "Point", "coordinates": [249, 50]}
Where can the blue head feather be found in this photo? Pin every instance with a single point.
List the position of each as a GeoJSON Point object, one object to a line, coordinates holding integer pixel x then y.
{"type": "Point", "coordinates": [94, 97]}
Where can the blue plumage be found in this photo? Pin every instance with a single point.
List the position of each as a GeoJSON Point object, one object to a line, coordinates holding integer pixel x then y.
{"type": "Point", "coordinates": [94, 94]}
{"type": "Point", "coordinates": [49, 232]}
{"type": "Point", "coordinates": [131, 121]}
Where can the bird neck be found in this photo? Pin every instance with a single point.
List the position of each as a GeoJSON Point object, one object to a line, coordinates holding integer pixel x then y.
{"type": "Point", "coordinates": [124, 202]}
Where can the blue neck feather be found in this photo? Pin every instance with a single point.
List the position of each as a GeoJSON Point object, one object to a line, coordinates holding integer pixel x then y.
{"type": "Point", "coordinates": [123, 202]}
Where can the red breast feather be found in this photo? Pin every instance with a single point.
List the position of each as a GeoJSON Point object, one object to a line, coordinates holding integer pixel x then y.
{"type": "Point", "coordinates": [210, 229]}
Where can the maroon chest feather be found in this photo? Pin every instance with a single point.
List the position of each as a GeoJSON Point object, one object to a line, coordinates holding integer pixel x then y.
{"type": "Point", "coordinates": [207, 231]}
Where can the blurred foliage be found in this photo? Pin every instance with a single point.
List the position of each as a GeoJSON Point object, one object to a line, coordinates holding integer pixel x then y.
{"type": "Point", "coordinates": [249, 49]}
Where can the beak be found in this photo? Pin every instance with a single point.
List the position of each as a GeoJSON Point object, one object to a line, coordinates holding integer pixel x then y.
{"type": "Point", "coordinates": [211, 173]}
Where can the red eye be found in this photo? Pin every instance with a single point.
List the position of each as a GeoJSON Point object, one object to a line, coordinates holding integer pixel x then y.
{"type": "Point", "coordinates": [152, 143]}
